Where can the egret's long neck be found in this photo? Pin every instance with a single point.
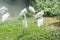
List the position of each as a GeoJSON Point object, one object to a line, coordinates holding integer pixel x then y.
{"type": "Point", "coordinates": [41, 17]}
{"type": "Point", "coordinates": [24, 17]}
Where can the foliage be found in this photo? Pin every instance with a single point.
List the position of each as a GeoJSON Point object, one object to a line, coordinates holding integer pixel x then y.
{"type": "Point", "coordinates": [50, 6]}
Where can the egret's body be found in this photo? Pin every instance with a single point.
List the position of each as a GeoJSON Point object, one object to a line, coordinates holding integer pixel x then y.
{"type": "Point", "coordinates": [39, 14]}
{"type": "Point", "coordinates": [5, 17]}
{"type": "Point", "coordinates": [3, 10]}
{"type": "Point", "coordinates": [23, 12]}
{"type": "Point", "coordinates": [31, 9]}
{"type": "Point", "coordinates": [40, 22]}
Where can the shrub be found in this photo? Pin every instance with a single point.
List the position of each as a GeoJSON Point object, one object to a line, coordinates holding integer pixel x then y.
{"type": "Point", "coordinates": [50, 6]}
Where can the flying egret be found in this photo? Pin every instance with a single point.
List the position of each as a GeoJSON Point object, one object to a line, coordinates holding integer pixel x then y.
{"type": "Point", "coordinates": [31, 9]}
{"type": "Point", "coordinates": [39, 14]}
{"type": "Point", "coordinates": [40, 22]}
{"type": "Point", "coordinates": [3, 10]}
{"type": "Point", "coordinates": [5, 17]}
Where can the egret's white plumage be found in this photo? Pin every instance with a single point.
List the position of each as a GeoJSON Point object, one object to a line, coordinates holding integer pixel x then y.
{"type": "Point", "coordinates": [39, 14]}
{"type": "Point", "coordinates": [3, 10]}
{"type": "Point", "coordinates": [23, 12]}
{"type": "Point", "coordinates": [40, 22]}
{"type": "Point", "coordinates": [31, 9]}
{"type": "Point", "coordinates": [5, 16]}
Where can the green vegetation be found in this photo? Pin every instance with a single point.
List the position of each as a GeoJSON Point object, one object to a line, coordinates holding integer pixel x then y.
{"type": "Point", "coordinates": [51, 7]}
{"type": "Point", "coordinates": [13, 30]}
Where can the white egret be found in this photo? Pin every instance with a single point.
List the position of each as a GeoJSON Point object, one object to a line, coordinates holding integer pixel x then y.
{"type": "Point", "coordinates": [39, 14]}
{"type": "Point", "coordinates": [31, 9]}
{"type": "Point", "coordinates": [40, 22]}
{"type": "Point", "coordinates": [5, 17]}
{"type": "Point", "coordinates": [3, 10]}
{"type": "Point", "coordinates": [23, 13]}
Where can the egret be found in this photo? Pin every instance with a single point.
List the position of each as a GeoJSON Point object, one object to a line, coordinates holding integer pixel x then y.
{"type": "Point", "coordinates": [23, 13]}
{"type": "Point", "coordinates": [39, 14]}
{"type": "Point", "coordinates": [31, 9]}
{"type": "Point", "coordinates": [40, 22]}
{"type": "Point", "coordinates": [3, 10]}
{"type": "Point", "coordinates": [5, 17]}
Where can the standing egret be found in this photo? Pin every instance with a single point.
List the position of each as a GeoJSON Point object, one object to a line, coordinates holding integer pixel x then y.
{"type": "Point", "coordinates": [5, 17]}
{"type": "Point", "coordinates": [40, 22]}
{"type": "Point", "coordinates": [31, 9]}
{"type": "Point", "coordinates": [3, 10]}
{"type": "Point", "coordinates": [23, 13]}
{"type": "Point", "coordinates": [39, 14]}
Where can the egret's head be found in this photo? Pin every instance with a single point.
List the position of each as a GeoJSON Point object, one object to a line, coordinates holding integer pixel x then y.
{"type": "Point", "coordinates": [4, 8]}
{"type": "Point", "coordinates": [24, 10]}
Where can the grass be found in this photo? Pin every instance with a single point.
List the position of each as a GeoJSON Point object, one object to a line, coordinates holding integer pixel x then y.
{"type": "Point", "coordinates": [13, 30]}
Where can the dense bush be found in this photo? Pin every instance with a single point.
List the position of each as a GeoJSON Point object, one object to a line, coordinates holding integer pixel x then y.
{"type": "Point", "coordinates": [50, 6]}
